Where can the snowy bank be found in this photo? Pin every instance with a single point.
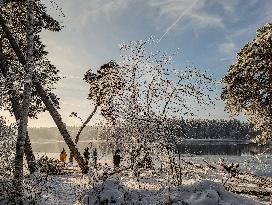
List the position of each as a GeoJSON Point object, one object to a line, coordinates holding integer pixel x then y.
{"type": "Point", "coordinates": [123, 190]}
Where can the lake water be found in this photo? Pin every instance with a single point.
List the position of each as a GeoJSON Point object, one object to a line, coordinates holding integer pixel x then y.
{"type": "Point", "coordinates": [244, 153]}
{"type": "Point", "coordinates": [225, 147]}
{"type": "Point", "coordinates": [57, 146]}
{"type": "Point", "coordinates": [198, 147]}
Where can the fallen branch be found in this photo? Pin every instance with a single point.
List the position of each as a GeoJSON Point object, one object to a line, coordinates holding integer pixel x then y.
{"type": "Point", "coordinates": [248, 191]}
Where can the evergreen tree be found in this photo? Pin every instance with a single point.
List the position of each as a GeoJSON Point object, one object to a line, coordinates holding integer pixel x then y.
{"type": "Point", "coordinates": [104, 85]}
{"type": "Point", "coordinates": [248, 83]}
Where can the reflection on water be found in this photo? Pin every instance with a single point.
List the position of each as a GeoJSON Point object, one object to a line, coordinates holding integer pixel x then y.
{"type": "Point", "coordinates": [57, 146]}
{"type": "Point", "coordinates": [199, 147]}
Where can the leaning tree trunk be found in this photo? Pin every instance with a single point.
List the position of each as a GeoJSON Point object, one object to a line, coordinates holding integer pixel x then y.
{"type": "Point", "coordinates": [46, 100]}
{"type": "Point", "coordinates": [22, 129]}
{"type": "Point", "coordinates": [61, 126]}
{"type": "Point", "coordinates": [82, 127]}
{"type": "Point", "coordinates": [17, 110]}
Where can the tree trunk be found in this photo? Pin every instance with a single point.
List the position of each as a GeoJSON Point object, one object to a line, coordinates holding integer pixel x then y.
{"type": "Point", "coordinates": [17, 110]}
{"type": "Point", "coordinates": [82, 127]}
{"type": "Point", "coordinates": [22, 129]}
{"type": "Point", "coordinates": [30, 157]}
{"type": "Point", "coordinates": [46, 100]}
{"type": "Point", "coordinates": [61, 126]}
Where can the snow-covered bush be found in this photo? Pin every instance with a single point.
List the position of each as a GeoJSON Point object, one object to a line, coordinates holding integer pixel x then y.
{"type": "Point", "coordinates": [30, 195]}
{"type": "Point", "coordinates": [7, 153]}
{"type": "Point", "coordinates": [153, 96]}
{"type": "Point", "coordinates": [125, 189]}
{"type": "Point", "coordinates": [50, 166]}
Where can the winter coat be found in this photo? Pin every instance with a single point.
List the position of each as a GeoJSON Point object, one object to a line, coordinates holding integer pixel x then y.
{"type": "Point", "coordinates": [63, 156]}
{"type": "Point", "coordinates": [86, 154]}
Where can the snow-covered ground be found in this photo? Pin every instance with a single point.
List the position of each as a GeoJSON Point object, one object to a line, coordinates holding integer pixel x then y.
{"type": "Point", "coordinates": [200, 184]}
{"type": "Point", "coordinates": [260, 165]}
{"type": "Point", "coordinates": [126, 190]}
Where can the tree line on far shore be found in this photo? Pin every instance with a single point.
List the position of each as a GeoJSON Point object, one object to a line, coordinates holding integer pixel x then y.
{"type": "Point", "coordinates": [193, 128]}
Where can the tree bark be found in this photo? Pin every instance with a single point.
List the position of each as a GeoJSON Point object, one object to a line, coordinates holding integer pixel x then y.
{"type": "Point", "coordinates": [46, 100]}
{"type": "Point", "coordinates": [22, 129]}
{"type": "Point", "coordinates": [61, 126]}
{"type": "Point", "coordinates": [82, 127]}
{"type": "Point", "coordinates": [17, 110]}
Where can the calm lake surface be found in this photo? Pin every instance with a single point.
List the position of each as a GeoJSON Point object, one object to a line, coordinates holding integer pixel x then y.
{"type": "Point", "coordinates": [245, 154]}
{"type": "Point", "coordinates": [197, 147]}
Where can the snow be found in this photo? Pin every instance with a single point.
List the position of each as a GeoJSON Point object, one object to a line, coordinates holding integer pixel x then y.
{"type": "Point", "coordinates": [199, 186]}
{"type": "Point", "coordinates": [63, 189]}
{"type": "Point", "coordinates": [116, 191]}
{"type": "Point", "coordinates": [101, 187]}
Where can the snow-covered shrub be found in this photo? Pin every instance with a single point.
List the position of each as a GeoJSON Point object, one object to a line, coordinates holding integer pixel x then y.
{"type": "Point", "coordinates": [124, 189]}
{"type": "Point", "coordinates": [154, 96]}
{"type": "Point", "coordinates": [106, 191]}
{"type": "Point", "coordinates": [7, 153]}
{"type": "Point", "coordinates": [50, 166]}
{"type": "Point", "coordinates": [30, 195]}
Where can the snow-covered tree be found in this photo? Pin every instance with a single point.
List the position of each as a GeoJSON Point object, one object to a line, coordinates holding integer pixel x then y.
{"type": "Point", "coordinates": [43, 91]}
{"type": "Point", "coordinates": [248, 83]}
{"type": "Point", "coordinates": [13, 73]}
{"type": "Point", "coordinates": [13, 14]}
{"type": "Point", "coordinates": [153, 97]}
{"type": "Point", "coordinates": [104, 85]}
{"type": "Point", "coordinates": [27, 83]}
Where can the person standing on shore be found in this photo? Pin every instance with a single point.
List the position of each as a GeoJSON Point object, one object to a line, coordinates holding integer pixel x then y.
{"type": "Point", "coordinates": [86, 154]}
{"type": "Point", "coordinates": [63, 155]}
{"type": "Point", "coordinates": [95, 156]}
{"type": "Point", "coordinates": [117, 158]}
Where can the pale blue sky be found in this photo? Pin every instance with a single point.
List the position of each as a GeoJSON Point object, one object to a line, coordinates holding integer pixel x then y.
{"type": "Point", "coordinates": [208, 32]}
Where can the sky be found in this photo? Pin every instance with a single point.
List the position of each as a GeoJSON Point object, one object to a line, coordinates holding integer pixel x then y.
{"type": "Point", "coordinates": [208, 33]}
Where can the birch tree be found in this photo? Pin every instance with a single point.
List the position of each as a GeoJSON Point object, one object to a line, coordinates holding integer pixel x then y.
{"type": "Point", "coordinates": [22, 129]}
{"type": "Point", "coordinates": [12, 71]}
{"type": "Point", "coordinates": [45, 95]}
{"type": "Point", "coordinates": [16, 110]}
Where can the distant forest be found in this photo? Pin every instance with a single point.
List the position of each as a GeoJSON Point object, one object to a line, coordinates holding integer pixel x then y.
{"type": "Point", "coordinates": [196, 129]}
{"type": "Point", "coordinates": [53, 134]}
{"type": "Point", "coordinates": [216, 129]}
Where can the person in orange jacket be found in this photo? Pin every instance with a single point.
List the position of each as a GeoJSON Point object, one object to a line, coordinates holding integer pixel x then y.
{"type": "Point", "coordinates": [63, 155]}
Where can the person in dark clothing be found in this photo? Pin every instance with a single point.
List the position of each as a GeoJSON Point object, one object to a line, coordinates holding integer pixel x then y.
{"type": "Point", "coordinates": [95, 156]}
{"type": "Point", "coordinates": [86, 154]}
{"type": "Point", "coordinates": [117, 158]}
